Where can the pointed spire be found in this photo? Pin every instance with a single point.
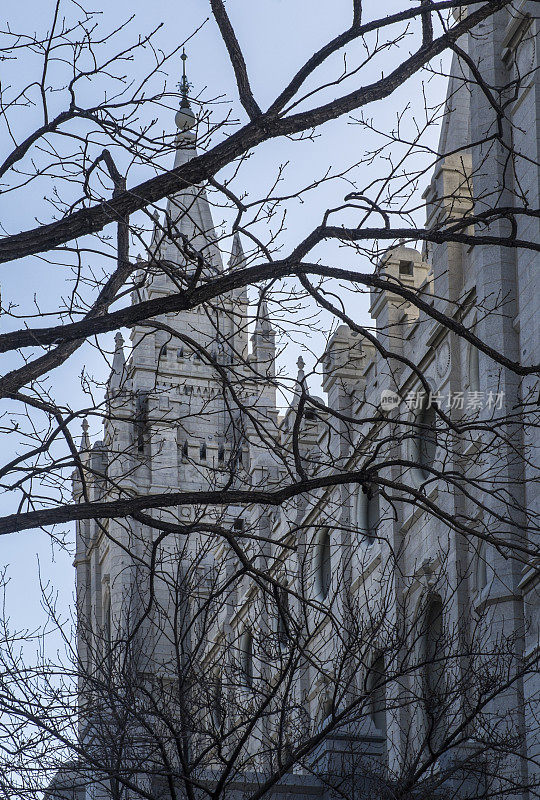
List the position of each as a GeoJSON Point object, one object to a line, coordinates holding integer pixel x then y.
{"type": "Point", "coordinates": [188, 212]}
{"type": "Point", "coordinates": [263, 324]}
{"type": "Point", "coordinates": [185, 118]}
{"type": "Point", "coordinates": [85, 441]}
{"type": "Point", "coordinates": [119, 363]}
{"type": "Point", "coordinates": [237, 252]}
{"type": "Point", "coordinates": [157, 235]}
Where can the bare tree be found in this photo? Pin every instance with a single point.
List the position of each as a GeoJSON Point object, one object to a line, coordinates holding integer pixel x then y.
{"type": "Point", "coordinates": [275, 589]}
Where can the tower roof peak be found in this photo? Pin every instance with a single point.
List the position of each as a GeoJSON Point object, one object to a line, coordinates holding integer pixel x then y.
{"type": "Point", "coordinates": [185, 118]}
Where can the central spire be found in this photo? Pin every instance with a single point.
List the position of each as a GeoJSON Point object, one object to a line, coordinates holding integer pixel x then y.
{"type": "Point", "coordinates": [184, 83]}
{"type": "Point", "coordinates": [185, 118]}
{"type": "Point", "coordinates": [188, 217]}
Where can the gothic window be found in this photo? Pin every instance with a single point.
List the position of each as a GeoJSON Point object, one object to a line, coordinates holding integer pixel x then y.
{"type": "Point", "coordinates": [221, 453]}
{"type": "Point", "coordinates": [106, 627]}
{"type": "Point", "coordinates": [141, 420]}
{"type": "Point", "coordinates": [180, 352]}
{"type": "Point", "coordinates": [425, 439]}
{"type": "Point", "coordinates": [434, 669]}
{"type": "Point", "coordinates": [216, 702]}
{"type": "Point", "coordinates": [377, 693]}
{"type": "Point", "coordinates": [283, 633]}
{"type": "Point", "coordinates": [185, 449]}
{"type": "Point", "coordinates": [481, 567]}
{"type": "Point", "coordinates": [326, 700]}
{"type": "Point", "coordinates": [474, 369]}
{"type": "Point", "coordinates": [367, 513]}
{"type": "Point", "coordinates": [323, 564]}
{"type": "Point", "coordinates": [202, 451]}
{"type": "Point", "coordinates": [107, 619]}
{"type": "Point", "coordinates": [247, 658]}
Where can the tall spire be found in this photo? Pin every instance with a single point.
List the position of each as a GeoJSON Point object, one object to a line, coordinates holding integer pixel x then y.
{"type": "Point", "coordinates": [188, 212]}
{"type": "Point", "coordinates": [185, 118]}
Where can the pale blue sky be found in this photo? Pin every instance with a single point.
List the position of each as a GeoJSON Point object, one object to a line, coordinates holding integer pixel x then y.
{"type": "Point", "coordinates": [277, 35]}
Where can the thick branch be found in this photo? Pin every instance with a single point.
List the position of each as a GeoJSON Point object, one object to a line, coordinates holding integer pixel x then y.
{"type": "Point", "coordinates": [237, 59]}
{"type": "Point", "coordinates": [201, 168]}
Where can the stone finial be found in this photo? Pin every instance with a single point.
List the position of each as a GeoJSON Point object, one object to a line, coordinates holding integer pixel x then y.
{"type": "Point", "coordinates": [300, 364]}
{"type": "Point", "coordinates": [85, 441]}
{"type": "Point", "coordinates": [157, 234]}
{"type": "Point", "coordinates": [119, 363]}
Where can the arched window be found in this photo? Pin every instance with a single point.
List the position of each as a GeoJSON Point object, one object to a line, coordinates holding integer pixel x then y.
{"type": "Point", "coordinates": [474, 369]}
{"type": "Point", "coordinates": [481, 567]}
{"type": "Point", "coordinates": [202, 451]}
{"type": "Point", "coordinates": [283, 632]}
{"type": "Point", "coordinates": [426, 439]}
{"type": "Point", "coordinates": [247, 658]}
{"type": "Point", "coordinates": [367, 513]}
{"type": "Point", "coordinates": [377, 693]}
{"type": "Point", "coordinates": [106, 630]}
{"type": "Point", "coordinates": [323, 564]}
{"type": "Point", "coordinates": [107, 620]}
{"type": "Point", "coordinates": [326, 700]}
{"type": "Point", "coordinates": [434, 668]}
{"type": "Point", "coordinates": [217, 710]}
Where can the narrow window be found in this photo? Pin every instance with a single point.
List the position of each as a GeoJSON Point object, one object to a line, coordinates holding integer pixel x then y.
{"type": "Point", "coordinates": [141, 420]}
{"type": "Point", "coordinates": [377, 694]}
{"type": "Point", "coordinates": [221, 453]}
{"type": "Point", "coordinates": [107, 621]}
{"type": "Point", "coordinates": [323, 564]}
{"type": "Point", "coordinates": [426, 440]}
{"type": "Point", "coordinates": [474, 369]}
{"type": "Point", "coordinates": [202, 451]}
{"type": "Point", "coordinates": [185, 449]}
{"type": "Point", "coordinates": [247, 658]}
{"type": "Point", "coordinates": [180, 352]}
{"type": "Point", "coordinates": [238, 524]}
{"type": "Point", "coordinates": [367, 513]}
{"type": "Point", "coordinates": [481, 568]}
{"type": "Point", "coordinates": [433, 668]}
{"type": "Point", "coordinates": [283, 633]}
{"type": "Point", "coordinates": [216, 702]}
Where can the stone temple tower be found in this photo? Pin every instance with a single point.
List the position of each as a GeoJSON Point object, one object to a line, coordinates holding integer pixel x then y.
{"type": "Point", "coordinates": [175, 421]}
